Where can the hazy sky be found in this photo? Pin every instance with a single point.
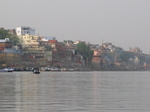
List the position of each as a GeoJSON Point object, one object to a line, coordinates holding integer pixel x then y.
{"type": "Point", "coordinates": [124, 23]}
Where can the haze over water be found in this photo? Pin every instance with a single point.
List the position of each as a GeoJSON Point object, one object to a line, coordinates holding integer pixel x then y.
{"type": "Point", "coordinates": [124, 23]}
{"type": "Point", "coordinates": [75, 92]}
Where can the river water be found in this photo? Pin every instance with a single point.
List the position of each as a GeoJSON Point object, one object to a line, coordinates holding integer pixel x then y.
{"type": "Point", "coordinates": [75, 92]}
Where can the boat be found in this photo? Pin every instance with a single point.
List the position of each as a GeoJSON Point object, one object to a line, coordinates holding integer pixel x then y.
{"type": "Point", "coordinates": [10, 69]}
{"type": "Point", "coordinates": [6, 70]}
{"type": "Point", "coordinates": [36, 71]}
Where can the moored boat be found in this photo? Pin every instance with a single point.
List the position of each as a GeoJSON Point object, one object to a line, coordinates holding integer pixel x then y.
{"type": "Point", "coordinates": [6, 70]}
{"type": "Point", "coordinates": [36, 71]}
{"type": "Point", "coordinates": [10, 69]}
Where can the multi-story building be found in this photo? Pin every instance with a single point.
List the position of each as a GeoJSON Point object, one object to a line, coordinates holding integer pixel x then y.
{"type": "Point", "coordinates": [27, 37]}
{"type": "Point", "coordinates": [29, 41]}
{"type": "Point", "coordinates": [8, 55]}
{"type": "Point", "coordinates": [97, 57]}
{"type": "Point", "coordinates": [135, 50]}
{"type": "Point", "coordinates": [49, 42]}
{"type": "Point", "coordinates": [36, 57]}
{"type": "Point", "coordinates": [5, 43]}
{"type": "Point", "coordinates": [47, 38]}
{"type": "Point", "coordinates": [23, 30]}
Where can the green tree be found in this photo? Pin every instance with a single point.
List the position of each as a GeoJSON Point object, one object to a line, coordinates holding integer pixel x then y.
{"type": "Point", "coordinates": [5, 34]}
{"type": "Point", "coordinates": [125, 56]}
{"type": "Point", "coordinates": [85, 51]}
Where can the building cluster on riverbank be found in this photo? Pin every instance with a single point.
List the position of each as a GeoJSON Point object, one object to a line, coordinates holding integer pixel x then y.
{"type": "Point", "coordinates": [35, 50]}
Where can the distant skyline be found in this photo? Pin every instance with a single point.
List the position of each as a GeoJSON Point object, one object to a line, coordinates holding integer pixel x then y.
{"type": "Point", "coordinates": [124, 23]}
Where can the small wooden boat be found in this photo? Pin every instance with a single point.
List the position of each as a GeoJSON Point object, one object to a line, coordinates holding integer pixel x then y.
{"type": "Point", "coordinates": [6, 70]}
{"type": "Point", "coordinates": [36, 71]}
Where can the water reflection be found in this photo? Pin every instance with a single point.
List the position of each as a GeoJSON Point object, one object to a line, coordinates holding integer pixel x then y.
{"type": "Point", "coordinates": [7, 92]}
{"type": "Point", "coordinates": [75, 91]}
{"type": "Point", "coordinates": [27, 92]}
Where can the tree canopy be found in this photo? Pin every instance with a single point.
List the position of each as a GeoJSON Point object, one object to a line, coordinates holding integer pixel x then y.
{"type": "Point", "coordinates": [85, 51]}
{"type": "Point", "coordinates": [5, 34]}
{"type": "Point", "coordinates": [125, 56]}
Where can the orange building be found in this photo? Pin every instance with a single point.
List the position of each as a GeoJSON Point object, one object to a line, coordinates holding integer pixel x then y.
{"type": "Point", "coordinates": [96, 57]}
{"type": "Point", "coordinates": [4, 45]}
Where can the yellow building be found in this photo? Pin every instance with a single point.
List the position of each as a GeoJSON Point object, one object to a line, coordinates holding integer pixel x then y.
{"type": "Point", "coordinates": [29, 41]}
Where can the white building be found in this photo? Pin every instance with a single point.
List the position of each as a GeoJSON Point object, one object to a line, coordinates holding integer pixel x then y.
{"type": "Point", "coordinates": [4, 40]}
{"type": "Point", "coordinates": [25, 31]}
{"type": "Point", "coordinates": [48, 38]}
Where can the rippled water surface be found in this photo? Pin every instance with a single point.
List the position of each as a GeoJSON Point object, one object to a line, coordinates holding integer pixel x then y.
{"type": "Point", "coordinates": [75, 92]}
